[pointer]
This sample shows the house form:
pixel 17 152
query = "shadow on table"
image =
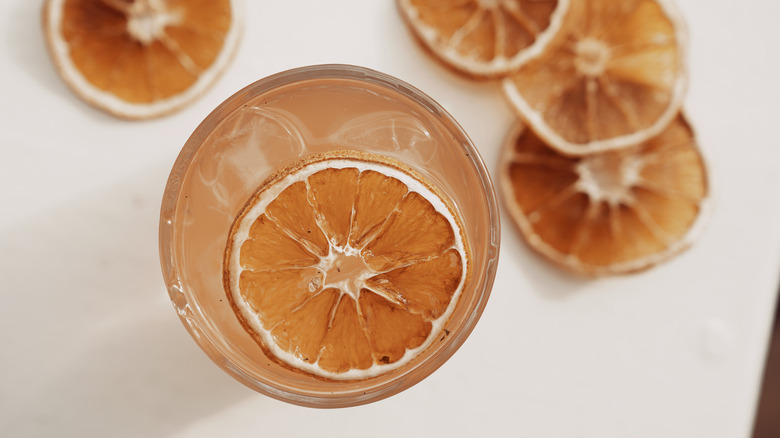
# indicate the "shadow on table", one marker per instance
pixel 93 346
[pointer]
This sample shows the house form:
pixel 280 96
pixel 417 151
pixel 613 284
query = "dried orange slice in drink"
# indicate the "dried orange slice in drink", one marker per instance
pixel 139 59
pixel 610 213
pixel 483 38
pixel 346 265
pixel 613 77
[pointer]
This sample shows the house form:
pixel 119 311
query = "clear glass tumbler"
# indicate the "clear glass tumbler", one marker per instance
pixel 271 124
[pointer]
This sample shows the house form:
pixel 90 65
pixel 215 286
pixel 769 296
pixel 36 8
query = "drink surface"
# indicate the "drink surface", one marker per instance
pixel 242 146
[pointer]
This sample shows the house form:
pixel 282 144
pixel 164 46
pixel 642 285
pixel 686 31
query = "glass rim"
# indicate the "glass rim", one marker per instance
pixel 195 325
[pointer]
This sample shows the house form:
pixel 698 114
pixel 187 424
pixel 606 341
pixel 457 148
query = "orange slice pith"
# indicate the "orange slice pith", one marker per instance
pixel 613 77
pixel 483 38
pixel 617 212
pixel 140 59
pixel 345 266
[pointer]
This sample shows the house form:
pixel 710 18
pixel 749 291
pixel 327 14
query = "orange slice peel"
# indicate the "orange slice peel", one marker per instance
pixel 345 266
pixel 612 213
pixel 483 38
pixel 140 59
pixel 614 76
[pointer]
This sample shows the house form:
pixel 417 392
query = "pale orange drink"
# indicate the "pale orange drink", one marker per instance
pixel 329 236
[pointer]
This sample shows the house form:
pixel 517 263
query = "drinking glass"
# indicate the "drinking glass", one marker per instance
pixel 271 124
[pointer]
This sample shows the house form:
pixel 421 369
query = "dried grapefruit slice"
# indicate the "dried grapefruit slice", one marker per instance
pixel 346 265
pixel 483 38
pixel 613 77
pixel 610 213
pixel 139 59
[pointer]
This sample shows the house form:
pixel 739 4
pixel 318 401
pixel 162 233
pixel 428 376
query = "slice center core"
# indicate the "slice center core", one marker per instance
pixel 345 269
pixel 147 20
pixel 489 4
pixel 609 177
pixel 592 56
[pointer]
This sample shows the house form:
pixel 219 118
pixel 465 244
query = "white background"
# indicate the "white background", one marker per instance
pixel 91 347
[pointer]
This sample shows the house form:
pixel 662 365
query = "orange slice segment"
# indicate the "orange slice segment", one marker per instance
pixel 483 38
pixel 610 213
pixel 345 265
pixel 371 210
pixel 140 59
pixel 411 234
pixel 613 77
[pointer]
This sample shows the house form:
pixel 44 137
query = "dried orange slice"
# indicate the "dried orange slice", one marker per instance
pixel 345 266
pixel 610 213
pixel 483 38
pixel 139 59
pixel 613 77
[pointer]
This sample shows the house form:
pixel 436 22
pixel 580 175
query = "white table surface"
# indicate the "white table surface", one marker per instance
pixel 91 346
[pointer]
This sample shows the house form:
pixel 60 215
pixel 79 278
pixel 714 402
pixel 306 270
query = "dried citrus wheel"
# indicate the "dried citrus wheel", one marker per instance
pixel 483 38
pixel 613 77
pixel 610 213
pixel 345 266
pixel 139 59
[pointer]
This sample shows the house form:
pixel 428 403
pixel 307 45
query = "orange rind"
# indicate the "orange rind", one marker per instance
pixel 483 38
pixel 139 59
pixel 612 213
pixel 346 265
pixel 612 77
